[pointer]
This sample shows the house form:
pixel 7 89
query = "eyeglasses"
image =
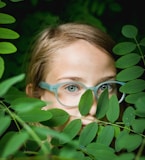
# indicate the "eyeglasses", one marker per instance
pixel 69 93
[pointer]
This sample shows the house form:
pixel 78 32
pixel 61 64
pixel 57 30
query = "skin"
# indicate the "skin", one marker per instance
pixel 83 62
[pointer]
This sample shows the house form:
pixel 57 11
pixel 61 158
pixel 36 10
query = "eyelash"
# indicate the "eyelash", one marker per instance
pixel 110 88
pixel 71 86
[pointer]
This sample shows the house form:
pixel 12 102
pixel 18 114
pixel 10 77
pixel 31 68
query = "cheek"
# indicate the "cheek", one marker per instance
pixel 47 96
pixel 53 103
pixel 74 112
pixel 50 99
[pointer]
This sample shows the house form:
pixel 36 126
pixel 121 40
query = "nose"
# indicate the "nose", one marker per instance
pixel 91 115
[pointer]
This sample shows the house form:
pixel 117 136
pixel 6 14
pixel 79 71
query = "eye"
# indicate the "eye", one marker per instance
pixel 72 88
pixel 109 86
pixel 105 86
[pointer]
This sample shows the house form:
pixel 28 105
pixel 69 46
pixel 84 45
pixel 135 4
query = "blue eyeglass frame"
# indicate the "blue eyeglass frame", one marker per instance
pixel 53 88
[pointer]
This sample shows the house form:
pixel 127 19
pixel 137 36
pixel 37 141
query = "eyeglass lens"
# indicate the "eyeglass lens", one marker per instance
pixel 69 94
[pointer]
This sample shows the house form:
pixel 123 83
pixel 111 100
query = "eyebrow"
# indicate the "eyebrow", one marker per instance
pixel 79 79
pixel 113 77
pixel 71 78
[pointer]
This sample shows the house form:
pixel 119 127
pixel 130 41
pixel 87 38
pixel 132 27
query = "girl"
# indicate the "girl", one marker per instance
pixel 67 60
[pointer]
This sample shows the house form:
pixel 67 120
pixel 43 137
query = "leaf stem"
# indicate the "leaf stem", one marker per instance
pixel 140 51
pixel 29 130
pixel 140 150
pixel 5 108
pixel 115 124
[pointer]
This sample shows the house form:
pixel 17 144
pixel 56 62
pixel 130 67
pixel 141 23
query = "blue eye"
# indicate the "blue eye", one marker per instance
pixel 106 86
pixel 109 86
pixel 72 88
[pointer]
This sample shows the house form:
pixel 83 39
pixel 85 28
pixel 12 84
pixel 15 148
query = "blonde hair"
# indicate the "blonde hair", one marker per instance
pixel 48 41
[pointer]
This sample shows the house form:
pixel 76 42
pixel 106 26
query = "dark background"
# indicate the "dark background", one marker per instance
pixel 130 12
pixel 32 15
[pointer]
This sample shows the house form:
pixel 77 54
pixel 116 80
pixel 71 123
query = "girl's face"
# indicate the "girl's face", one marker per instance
pixel 79 62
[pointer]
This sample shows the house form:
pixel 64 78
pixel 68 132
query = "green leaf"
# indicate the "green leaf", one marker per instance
pixel 41 131
pixel 138 125
pixel 14 93
pixel 72 129
pixel 130 142
pixel 103 105
pixel 129 31
pixel 5 122
pixel 128 116
pixel 123 48
pixel 1 67
pixel 133 86
pixel 100 151
pixel 133 142
pixel 44 132
pixel 142 158
pixel 16 0
pixel 6 84
pixel 125 156
pixel 92 147
pixel 2 4
pixel 113 110
pixel 132 98
pixel 7 48
pixel 131 59
pixel 6 19
pixel 26 104
pixel 106 135
pixel 88 134
pixel 142 42
pixel 70 153
pixel 116 131
pixel 4 140
pixel 116 7
pixel 59 117
pixel 98 10
pixel 140 105
pixel 6 33
pixel 35 115
pixel 14 143
pixel 30 109
pixel 31 145
pixel 34 2
pixel 86 102
pixel 130 73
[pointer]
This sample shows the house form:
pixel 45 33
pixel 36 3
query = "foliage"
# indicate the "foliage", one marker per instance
pixel 5 33
pixel 37 14
pixel 27 132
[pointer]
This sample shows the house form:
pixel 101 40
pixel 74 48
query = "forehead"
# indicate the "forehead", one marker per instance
pixel 82 49
pixel 81 59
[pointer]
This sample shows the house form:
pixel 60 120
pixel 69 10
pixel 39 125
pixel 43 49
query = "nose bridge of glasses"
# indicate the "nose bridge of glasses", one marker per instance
pixel 94 90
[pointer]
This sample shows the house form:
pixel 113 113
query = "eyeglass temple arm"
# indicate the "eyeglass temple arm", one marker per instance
pixel 47 86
